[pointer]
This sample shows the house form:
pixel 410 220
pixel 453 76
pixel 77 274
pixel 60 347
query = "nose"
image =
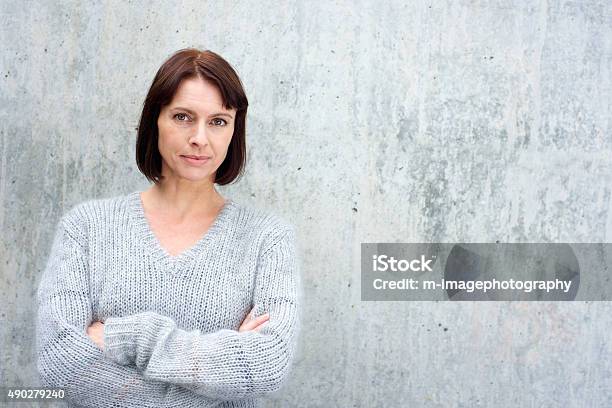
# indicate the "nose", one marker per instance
pixel 199 134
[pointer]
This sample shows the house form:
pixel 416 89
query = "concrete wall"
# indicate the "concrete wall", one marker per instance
pixel 445 121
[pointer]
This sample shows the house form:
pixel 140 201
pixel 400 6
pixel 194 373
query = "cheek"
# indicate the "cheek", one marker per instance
pixel 228 135
pixel 162 142
pixel 169 139
pixel 224 140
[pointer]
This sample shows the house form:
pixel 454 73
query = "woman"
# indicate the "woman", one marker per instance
pixel 175 296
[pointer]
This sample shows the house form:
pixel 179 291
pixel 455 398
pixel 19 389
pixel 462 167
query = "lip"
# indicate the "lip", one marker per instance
pixel 195 160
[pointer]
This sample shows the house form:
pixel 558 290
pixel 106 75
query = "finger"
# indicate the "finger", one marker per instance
pixel 258 328
pixel 261 320
pixel 250 325
pixel 247 318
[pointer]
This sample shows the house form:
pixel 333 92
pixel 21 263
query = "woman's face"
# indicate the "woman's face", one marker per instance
pixel 194 124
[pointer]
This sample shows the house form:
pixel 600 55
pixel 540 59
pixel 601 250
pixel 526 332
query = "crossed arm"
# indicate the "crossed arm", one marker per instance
pixel 147 360
pixel 68 358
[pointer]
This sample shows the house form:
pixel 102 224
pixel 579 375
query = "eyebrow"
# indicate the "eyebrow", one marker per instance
pixel 212 114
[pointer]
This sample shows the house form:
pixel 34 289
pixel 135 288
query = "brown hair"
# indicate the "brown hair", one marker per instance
pixel 183 64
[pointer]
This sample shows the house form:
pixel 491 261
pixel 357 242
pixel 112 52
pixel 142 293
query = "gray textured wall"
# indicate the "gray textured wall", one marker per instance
pixel 369 122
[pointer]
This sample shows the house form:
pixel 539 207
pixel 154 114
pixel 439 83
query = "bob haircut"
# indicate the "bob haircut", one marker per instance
pixel 190 63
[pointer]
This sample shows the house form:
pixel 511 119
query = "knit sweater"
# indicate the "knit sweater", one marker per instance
pixel 170 322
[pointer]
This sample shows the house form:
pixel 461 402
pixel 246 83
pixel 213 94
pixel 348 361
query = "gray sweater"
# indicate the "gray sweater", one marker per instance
pixel 171 322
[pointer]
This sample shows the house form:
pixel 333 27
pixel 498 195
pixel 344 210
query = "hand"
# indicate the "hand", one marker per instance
pixel 96 332
pixel 255 324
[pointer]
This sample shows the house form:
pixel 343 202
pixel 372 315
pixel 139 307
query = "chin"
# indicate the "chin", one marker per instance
pixel 196 175
pixel 192 177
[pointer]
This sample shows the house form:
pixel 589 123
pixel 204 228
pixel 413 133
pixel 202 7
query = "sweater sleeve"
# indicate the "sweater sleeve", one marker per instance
pixel 67 358
pixel 226 364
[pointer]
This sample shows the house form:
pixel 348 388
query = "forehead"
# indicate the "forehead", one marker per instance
pixel 198 95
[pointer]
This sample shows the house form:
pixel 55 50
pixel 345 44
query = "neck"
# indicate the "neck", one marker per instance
pixel 182 201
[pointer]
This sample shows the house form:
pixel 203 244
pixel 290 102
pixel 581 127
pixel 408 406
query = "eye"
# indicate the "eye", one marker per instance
pixel 181 115
pixel 223 122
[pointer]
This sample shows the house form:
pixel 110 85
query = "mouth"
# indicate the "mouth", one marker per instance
pixel 195 160
pixel 196 157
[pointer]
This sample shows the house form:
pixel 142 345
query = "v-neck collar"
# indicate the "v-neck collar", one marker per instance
pixel 159 254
